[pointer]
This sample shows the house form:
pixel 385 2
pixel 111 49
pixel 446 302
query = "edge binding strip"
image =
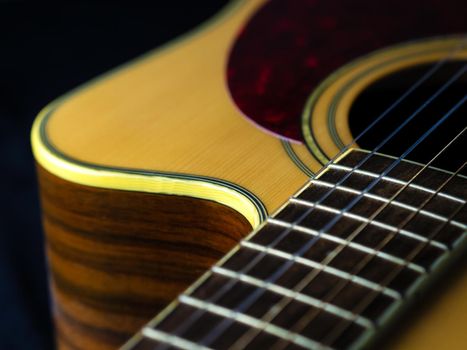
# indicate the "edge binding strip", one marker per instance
pixel 88 174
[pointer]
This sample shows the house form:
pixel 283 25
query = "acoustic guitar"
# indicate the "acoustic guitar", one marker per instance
pixel 291 175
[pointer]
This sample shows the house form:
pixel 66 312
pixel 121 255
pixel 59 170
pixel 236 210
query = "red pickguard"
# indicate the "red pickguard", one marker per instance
pixel 289 46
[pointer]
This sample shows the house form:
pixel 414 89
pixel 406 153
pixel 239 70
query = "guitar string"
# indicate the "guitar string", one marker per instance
pixel 407 220
pixel 224 324
pixel 439 64
pixel 253 297
pixel 307 318
pixel 361 306
pixel 348 146
pixel 196 315
pixel 246 303
pixel 304 282
pixel 423 79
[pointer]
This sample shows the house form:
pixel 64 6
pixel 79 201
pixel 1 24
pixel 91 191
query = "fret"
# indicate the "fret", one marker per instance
pixel 293 212
pixel 323 281
pixel 317 328
pixel 373 234
pixel 399 245
pixel 451 234
pixel 316 265
pixel 430 179
pixel 372 223
pixel 418 227
pixel 351 244
pixel 396 181
pixel 170 339
pixel 298 278
pixel 180 312
pixel 252 322
pixel 282 317
pixel 297 272
pixel 343 300
pixel 333 309
pixel 319 182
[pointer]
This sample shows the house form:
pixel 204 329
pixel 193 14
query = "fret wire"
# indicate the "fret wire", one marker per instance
pixel 318 267
pixel 326 268
pixel 428 132
pixel 285 267
pixel 393 105
pixel 395 272
pixel 365 261
pixel 389 279
pixel 396 181
pixel 331 223
pixel 170 339
pixel 310 316
pixel 418 248
pixel 400 127
pixel 281 254
pixel 387 227
pixel 385 200
pixel 354 245
pixel 306 299
pixel 232 315
pixel 224 289
pixel 359 218
pixel 279 272
pixel 428 74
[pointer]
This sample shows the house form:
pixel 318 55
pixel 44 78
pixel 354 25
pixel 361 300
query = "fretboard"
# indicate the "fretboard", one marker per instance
pixel 330 269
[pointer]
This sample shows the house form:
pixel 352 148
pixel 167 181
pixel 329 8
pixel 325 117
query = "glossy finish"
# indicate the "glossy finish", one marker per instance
pixel 288 47
pixel 150 130
pixel 117 258
pixel 134 118
pixel 321 284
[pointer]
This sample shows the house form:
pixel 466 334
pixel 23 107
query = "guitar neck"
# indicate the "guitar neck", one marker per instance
pixel 331 269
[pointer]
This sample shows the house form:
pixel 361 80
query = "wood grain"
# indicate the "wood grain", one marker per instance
pixel 117 258
pixel 171 112
pixel 346 238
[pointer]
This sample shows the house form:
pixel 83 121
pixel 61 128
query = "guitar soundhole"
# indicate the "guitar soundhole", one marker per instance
pixel 379 96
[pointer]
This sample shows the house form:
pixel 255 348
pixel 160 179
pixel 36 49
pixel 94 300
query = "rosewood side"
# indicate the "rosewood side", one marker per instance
pixel 116 258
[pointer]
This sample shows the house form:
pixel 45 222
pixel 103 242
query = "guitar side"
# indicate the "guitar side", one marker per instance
pixel 99 303
pixel 151 174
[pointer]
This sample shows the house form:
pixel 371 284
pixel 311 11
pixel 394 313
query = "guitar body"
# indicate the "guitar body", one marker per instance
pixel 151 173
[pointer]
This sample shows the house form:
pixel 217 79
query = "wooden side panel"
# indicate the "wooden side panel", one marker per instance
pixel 117 258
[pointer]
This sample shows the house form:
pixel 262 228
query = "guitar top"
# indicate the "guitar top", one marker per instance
pixel 302 163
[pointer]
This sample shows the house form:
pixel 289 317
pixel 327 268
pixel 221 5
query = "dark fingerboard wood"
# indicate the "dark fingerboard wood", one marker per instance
pixel 300 282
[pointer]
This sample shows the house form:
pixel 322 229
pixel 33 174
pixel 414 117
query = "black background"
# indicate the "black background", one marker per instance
pixel 46 49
